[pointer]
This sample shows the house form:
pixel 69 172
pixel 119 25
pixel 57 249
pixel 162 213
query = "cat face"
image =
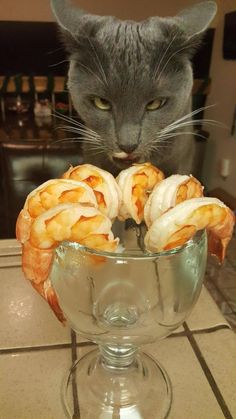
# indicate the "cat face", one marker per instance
pixel 125 90
pixel 130 82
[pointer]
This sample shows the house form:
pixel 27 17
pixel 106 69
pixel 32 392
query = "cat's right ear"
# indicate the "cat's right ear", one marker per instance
pixel 67 16
pixel 77 27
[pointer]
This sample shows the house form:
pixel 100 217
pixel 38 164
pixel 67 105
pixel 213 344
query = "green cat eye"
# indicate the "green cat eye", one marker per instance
pixel 155 104
pixel 101 103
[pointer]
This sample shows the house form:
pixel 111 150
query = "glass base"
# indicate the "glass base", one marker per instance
pixel 94 389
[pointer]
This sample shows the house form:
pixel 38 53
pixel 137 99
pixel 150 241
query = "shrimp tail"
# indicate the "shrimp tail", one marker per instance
pixel 216 246
pixel 219 237
pixel 36 262
pixel 47 292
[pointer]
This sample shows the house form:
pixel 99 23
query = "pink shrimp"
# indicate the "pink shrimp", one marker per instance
pixel 74 222
pixel 176 226
pixel 170 192
pixel 136 183
pixel 104 185
pixel 46 196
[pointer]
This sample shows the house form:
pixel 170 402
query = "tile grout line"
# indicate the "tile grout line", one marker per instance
pixel 215 389
pixel 5 351
pixel 15 265
pixel 200 331
pixel 35 348
pixel 76 413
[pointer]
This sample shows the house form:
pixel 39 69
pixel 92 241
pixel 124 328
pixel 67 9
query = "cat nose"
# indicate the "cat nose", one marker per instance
pixel 128 148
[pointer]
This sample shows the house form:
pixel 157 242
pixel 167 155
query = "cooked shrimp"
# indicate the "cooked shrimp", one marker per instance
pixel 176 226
pixel 103 184
pixel 46 290
pixel 136 183
pixel 170 192
pixel 46 196
pixel 74 222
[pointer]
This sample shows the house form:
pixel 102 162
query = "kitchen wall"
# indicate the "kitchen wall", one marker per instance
pixel 39 10
pixel 223 95
pixel 223 73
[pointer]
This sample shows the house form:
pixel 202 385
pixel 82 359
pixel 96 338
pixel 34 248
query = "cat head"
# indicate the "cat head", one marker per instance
pixel 130 80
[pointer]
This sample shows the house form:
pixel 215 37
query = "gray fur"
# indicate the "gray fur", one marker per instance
pixel 131 63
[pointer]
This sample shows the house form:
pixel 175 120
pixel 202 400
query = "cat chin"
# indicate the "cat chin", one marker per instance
pixel 125 162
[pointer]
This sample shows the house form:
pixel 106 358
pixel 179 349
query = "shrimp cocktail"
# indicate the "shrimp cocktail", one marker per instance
pixel 122 261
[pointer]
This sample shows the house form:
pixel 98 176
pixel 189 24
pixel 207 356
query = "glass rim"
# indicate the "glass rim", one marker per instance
pixel 197 238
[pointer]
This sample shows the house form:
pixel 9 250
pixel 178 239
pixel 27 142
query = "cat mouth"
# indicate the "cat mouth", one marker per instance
pixel 123 158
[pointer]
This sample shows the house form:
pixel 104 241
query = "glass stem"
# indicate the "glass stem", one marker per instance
pixel 117 357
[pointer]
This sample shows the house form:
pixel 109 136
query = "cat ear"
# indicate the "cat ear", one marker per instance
pixel 196 19
pixel 67 16
pixel 76 25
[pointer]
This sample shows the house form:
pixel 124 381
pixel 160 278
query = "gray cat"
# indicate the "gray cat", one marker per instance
pixel 131 84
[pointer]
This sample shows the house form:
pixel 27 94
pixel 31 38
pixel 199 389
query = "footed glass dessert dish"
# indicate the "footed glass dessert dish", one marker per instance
pixel 122 301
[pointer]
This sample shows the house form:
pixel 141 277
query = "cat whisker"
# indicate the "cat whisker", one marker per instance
pixel 76 124
pixel 158 147
pixel 98 152
pixel 209 122
pixel 79 131
pixel 100 67
pixel 70 127
pixel 65 118
pixel 191 114
pixel 82 141
pixel 62 140
pixel 60 62
pixel 176 134
pixel 71 120
pixel 89 70
pixel 167 62
pixel 158 142
pixel 164 54
pixel 77 140
pixel 84 133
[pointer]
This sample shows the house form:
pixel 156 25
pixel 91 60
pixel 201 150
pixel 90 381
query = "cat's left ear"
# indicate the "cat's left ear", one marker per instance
pixel 196 19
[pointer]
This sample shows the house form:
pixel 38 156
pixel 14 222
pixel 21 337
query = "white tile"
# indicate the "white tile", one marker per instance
pixel 26 318
pixel 219 351
pixel 206 313
pixel 30 384
pixel 192 394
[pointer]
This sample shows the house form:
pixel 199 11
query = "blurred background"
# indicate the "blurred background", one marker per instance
pixel 33 86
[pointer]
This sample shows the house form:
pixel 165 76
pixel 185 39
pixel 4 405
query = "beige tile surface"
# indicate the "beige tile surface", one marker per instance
pixel 26 319
pixel 206 313
pixel 10 253
pixel 219 352
pixel 192 395
pixel 30 384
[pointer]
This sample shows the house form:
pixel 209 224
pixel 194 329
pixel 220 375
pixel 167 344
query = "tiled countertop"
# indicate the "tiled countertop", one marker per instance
pixel 36 351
